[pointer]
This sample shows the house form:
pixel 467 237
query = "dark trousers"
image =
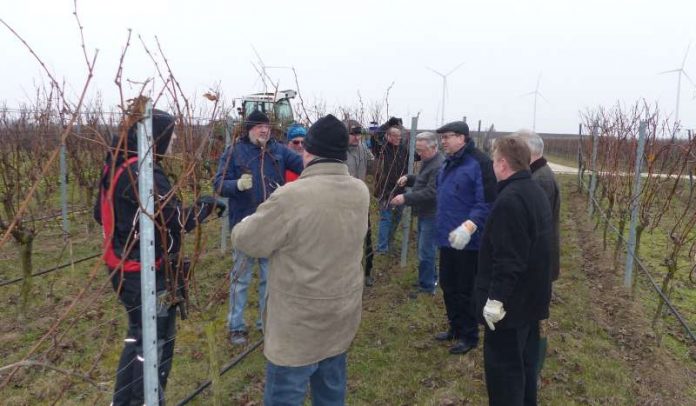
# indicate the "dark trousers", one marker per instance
pixel 129 376
pixel 368 249
pixel 510 357
pixel 457 274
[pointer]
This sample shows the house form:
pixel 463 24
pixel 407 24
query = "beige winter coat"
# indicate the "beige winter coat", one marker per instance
pixel 312 232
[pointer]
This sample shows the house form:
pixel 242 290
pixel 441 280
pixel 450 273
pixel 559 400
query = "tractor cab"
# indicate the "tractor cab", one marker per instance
pixel 276 106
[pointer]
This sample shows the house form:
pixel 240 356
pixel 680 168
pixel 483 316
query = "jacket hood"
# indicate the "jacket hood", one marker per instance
pixel 162 128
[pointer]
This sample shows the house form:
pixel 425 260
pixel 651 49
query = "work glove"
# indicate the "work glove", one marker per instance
pixel 493 312
pixel 244 182
pixel 402 181
pixel 460 236
pixel 206 204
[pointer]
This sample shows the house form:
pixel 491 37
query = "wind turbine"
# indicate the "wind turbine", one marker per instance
pixel 679 71
pixel 444 88
pixel 536 94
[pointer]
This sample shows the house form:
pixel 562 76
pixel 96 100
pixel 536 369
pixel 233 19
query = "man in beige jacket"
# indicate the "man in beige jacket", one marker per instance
pixel 312 231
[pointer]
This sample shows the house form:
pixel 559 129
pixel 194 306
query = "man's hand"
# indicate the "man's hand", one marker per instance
pixel 402 181
pixel 245 182
pixel 206 204
pixel 493 312
pixel 460 236
pixel 398 200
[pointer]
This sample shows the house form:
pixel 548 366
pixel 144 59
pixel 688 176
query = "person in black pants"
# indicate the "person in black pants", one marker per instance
pixel 117 209
pixel 513 283
pixel 465 192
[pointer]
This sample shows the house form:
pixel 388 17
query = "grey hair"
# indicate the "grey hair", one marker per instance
pixel 429 138
pixel 534 141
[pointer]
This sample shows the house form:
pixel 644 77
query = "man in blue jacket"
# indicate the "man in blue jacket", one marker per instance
pixel 248 172
pixel 465 191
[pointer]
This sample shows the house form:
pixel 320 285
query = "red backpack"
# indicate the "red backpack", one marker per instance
pixel 112 260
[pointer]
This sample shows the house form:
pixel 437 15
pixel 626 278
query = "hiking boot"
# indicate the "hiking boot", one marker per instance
pixel 369 281
pixel 238 337
pixel 461 347
pixel 445 336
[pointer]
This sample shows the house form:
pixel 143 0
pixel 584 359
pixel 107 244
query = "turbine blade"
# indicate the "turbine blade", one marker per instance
pixel 433 70
pixel 528 94
pixel 668 71
pixel 685 55
pixel 544 98
pixel 689 78
pixel 453 69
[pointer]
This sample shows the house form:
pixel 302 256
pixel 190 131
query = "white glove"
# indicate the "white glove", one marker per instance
pixel 493 312
pixel 244 183
pixel 402 181
pixel 461 235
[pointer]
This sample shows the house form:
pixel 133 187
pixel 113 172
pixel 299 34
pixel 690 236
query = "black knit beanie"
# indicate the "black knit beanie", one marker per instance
pixel 327 138
pixel 256 117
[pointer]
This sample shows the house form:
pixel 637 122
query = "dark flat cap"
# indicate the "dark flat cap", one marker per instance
pixel 458 127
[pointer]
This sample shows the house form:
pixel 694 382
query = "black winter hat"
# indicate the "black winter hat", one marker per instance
pixel 162 130
pixel 327 138
pixel 459 127
pixel 256 117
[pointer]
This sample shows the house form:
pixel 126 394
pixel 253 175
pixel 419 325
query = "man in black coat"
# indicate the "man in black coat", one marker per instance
pixel 513 284
pixel 544 176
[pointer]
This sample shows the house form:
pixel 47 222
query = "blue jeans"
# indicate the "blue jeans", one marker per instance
pixel 240 277
pixel 287 386
pixel 427 248
pixel 388 222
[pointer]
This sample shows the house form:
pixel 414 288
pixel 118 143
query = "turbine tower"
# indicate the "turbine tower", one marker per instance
pixel 536 94
pixel 444 89
pixel 679 71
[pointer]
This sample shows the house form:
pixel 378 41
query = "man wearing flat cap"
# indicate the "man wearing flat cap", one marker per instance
pixel 466 188
pixel 359 160
pixel 312 232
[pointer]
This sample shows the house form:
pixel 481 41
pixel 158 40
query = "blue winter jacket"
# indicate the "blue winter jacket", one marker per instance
pixel 466 188
pixel 245 157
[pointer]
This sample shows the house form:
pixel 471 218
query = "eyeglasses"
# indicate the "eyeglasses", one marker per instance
pixel 356 131
pixel 297 142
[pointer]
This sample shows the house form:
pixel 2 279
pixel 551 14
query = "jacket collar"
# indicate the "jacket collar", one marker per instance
pixel 458 156
pixel 519 175
pixel 324 168
pixel 538 164
pixel 247 140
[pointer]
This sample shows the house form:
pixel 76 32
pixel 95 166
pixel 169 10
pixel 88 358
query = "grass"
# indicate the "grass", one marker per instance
pixel 393 359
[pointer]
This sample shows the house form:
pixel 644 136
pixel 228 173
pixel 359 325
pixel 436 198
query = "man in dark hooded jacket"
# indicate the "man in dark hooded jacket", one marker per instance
pixel 117 210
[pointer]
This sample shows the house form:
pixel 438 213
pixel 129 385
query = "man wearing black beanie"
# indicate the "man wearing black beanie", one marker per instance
pixel 248 173
pixel 312 231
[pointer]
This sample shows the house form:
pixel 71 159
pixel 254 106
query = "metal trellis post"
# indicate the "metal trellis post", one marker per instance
pixel 64 188
pixel 580 180
pixel 635 206
pixel 407 211
pixel 148 289
pixel 593 179
pixel 225 223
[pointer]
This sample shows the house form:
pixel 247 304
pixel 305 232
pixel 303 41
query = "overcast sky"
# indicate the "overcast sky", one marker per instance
pixel 589 53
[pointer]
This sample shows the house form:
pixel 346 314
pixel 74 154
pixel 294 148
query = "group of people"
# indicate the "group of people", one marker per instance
pixel 300 213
